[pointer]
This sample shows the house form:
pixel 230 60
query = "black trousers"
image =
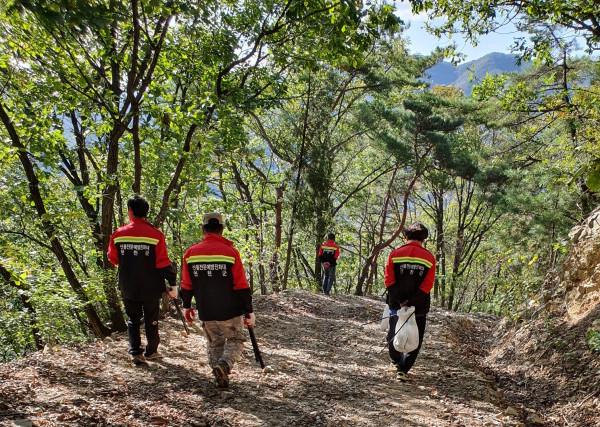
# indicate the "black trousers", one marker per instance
pixel 149 311
pixel 328 278
pixel 405 361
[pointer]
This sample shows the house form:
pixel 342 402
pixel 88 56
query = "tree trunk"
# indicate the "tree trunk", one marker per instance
pixel 440 247
pixel 117 318
pixel 253 221
pixel 451 293
pixel 108 199
pixel 96 326
pixel 297 270
pixel 25 299
pixel 80 184
pixel 318 276
pixel 250 271
pixel 458 253
pixel 137 155
pixel 383 244
pixel 372 275
pixel 288 254
pixel 173 184
pixel 442 263
pixel 297 187
pixel 111 181
pixel 274 268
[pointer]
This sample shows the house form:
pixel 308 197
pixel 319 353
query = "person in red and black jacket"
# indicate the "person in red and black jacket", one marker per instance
pixel 140 251
pixel 409 276
pixel 329 252
pixel 214 276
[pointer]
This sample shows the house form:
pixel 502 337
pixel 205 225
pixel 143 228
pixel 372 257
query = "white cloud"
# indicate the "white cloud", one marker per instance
pixel 404 12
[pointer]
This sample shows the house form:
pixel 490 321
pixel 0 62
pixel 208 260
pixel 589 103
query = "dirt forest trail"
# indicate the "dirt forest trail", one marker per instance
pixel 325 367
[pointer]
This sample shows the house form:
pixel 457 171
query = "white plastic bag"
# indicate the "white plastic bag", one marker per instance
pixel 385 319
pixel 407 332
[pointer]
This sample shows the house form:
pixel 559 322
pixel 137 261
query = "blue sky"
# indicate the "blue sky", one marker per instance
pixel 423 42
pixel 500 41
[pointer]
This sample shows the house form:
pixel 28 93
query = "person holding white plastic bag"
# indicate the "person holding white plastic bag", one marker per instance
pixel 409 276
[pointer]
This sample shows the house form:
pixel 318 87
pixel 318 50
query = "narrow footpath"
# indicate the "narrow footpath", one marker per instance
pixel 326 366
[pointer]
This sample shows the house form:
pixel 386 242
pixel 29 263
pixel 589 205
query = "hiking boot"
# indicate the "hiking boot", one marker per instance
pixel 221 372
pixel 154 356
pixel 402 376
pixel 138 359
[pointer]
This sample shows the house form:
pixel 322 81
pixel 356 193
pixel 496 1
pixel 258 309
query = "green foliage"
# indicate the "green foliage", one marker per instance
pixel 250 108
pixel 15 338
pixel 593 176
pixel 593 341
pixel 102 97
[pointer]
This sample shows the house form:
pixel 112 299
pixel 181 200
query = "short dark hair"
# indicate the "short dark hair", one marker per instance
pixel 416 231
pixel 213 226
pixel 331 236
pixel 139 206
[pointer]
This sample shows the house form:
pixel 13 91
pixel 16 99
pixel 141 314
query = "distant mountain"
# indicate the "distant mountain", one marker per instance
pixel 445 73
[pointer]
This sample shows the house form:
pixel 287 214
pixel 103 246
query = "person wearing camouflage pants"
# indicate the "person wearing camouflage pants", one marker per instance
pixel 213 275
pixel 225 340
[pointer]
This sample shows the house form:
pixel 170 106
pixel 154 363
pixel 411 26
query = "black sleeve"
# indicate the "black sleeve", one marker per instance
pixel 186 297
pixel 245 296
pixel 419 299
pixel 393 297
pixel 169 274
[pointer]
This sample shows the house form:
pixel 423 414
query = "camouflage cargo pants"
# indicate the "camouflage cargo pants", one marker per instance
pixel 225 340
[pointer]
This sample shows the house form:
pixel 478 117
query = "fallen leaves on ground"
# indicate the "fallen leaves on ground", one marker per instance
pixel 327 366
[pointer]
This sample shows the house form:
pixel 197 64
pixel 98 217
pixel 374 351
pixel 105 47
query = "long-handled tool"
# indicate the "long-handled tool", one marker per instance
pixel 177 302
pixel 180 313
pixel 257 354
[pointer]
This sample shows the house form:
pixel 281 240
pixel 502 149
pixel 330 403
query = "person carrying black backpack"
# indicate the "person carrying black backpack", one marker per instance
pixel 328 255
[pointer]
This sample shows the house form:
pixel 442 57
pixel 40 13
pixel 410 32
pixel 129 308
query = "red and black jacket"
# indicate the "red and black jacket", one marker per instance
pixel 214 275
pixel 140 251
pixel 329 252
pixel 409 276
